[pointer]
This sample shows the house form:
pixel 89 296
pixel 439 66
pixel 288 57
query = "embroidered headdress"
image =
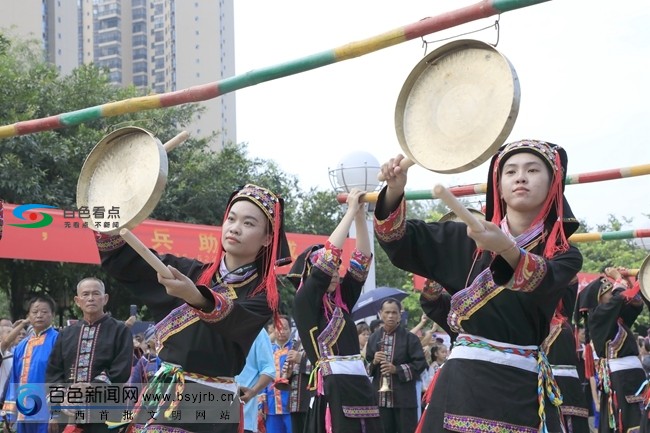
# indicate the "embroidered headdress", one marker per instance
pixel 556 214
pixel 276 254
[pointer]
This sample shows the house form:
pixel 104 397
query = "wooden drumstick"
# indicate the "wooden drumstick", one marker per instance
pixel 457 207
pixel 145 253
pixel 404 165
pixel 171 144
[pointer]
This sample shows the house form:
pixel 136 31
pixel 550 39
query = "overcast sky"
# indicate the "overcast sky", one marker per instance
pixel 583 74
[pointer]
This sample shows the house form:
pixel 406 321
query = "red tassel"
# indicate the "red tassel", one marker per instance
pixel 425 400
pixel 589 361
pixel 240 428
pixel 421 422
pixel 496 197
pixel 556 241
pixel 268 283
pixel 631 293
pixel 272 296
pixel 620 420
pixel 619 412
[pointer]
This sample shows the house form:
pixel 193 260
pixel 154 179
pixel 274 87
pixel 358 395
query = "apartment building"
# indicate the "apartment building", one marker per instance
pixel 158 45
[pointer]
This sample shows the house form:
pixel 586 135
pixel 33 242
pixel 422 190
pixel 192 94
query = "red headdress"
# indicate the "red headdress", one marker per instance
pixel 556 214
pixel 276 254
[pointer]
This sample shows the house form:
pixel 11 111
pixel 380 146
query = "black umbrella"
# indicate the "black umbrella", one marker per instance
pixel 369 302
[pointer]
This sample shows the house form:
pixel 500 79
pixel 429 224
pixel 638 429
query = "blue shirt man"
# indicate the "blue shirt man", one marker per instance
pixel 30 363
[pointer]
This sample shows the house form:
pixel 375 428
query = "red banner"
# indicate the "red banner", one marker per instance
pixel 65 239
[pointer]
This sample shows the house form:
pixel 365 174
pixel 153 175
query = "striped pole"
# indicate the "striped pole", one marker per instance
pixel 481 188
pixel 610 236
pixel 482 9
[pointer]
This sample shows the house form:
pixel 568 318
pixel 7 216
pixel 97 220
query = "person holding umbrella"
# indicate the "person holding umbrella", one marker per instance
pixel 345 401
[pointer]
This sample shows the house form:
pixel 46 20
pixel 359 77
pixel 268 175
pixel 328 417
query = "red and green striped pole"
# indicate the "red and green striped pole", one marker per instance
pixel 610 236
pixel 483 9
pixel 481 188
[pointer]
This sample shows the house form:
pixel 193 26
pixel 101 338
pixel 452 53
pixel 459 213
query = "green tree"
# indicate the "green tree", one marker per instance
pixel 599 255
pixel 318 213
pixel 43 168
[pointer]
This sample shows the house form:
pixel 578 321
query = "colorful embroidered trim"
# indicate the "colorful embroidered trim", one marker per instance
pixel 582 412
pixel 32 342
pixel 185 315
pixel 556 329
pixel 107 243
pixel 546 384
pixel 177 320
pixel 467 301
pixel 524 240
pixel 279 359
pixel 393 227
pixel 262 197
pixel 616 344
pixel 432 290
pixel 529 273
pixel 85 351
pixel 407 372
pixel 360 411
pixel 329 258
pixel 330 335
pixel 359 265
pixel 223 305
pixel 155 428
pixel 209 379
pixel 470 424
pixel 467 341
pixel 324 344
pixel 542 148
pixel 634 398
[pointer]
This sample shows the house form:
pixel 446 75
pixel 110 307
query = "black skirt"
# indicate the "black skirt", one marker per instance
pixel 475 396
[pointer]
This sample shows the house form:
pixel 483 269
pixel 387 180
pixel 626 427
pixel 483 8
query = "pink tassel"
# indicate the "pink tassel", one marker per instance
pixel 319 384
pixel 328 419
